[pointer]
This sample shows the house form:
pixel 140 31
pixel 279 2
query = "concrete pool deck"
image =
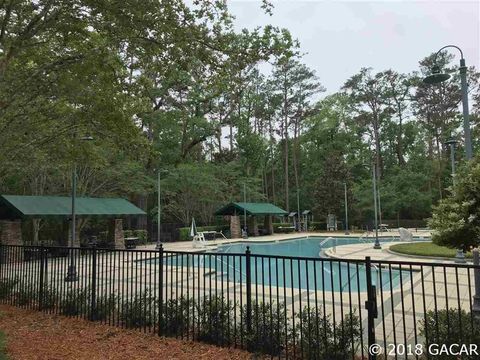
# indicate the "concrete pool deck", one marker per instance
pixel 187 246
pixel 360 251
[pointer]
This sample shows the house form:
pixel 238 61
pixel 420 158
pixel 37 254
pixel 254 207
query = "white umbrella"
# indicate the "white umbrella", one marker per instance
pixel 193 228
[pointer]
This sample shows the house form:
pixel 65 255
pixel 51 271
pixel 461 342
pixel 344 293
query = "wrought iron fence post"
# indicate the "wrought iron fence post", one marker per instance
pixel 160 290
pixel 248 283
pixel 371 306
pixel 476 272
pixel 93 305
pixel 42 276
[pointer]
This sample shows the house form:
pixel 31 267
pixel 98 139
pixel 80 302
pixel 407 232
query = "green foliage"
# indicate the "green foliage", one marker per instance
pixel 49 297
pixel 215 316
pixel 7 286
pixel 447 327
pixel 140 310
pixel 320 338
pixel 456 219
pixel 104 307
pixel 269 332
pixel 25 294
pixel 75 301
pixel 426 249
pixel 178 316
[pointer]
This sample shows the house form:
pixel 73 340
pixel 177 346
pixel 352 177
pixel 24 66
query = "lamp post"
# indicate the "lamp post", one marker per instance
pixel 299 226
pixel 452 143
pixel 159 208
pixel 72 270
pixel 346 209
pixel 437 77
pixel 374 171
pixel 245 232
pixel 159 243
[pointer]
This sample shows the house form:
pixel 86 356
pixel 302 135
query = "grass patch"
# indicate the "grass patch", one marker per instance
pixel 3 354
pixel 426 249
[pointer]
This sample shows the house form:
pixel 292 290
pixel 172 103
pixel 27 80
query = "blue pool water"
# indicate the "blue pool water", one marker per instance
pixel 313 272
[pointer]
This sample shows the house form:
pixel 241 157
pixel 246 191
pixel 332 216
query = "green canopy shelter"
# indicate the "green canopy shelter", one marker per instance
pixel 15 208
pixel 252 211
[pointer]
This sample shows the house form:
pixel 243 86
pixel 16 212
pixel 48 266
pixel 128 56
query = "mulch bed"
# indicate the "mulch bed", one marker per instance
pixel 34 335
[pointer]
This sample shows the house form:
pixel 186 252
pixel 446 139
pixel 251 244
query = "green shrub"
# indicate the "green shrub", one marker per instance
pixel 269 331
pixel 450 327
pixel 7 286
pixel 142 236
pixel 75 302
pixel 215 320
pixel 128 233
pixel 49 297
pixel 317 225
pixel 105 305
pixel 139 311
pixel 177 316
pixel 314 335
pixel 25 295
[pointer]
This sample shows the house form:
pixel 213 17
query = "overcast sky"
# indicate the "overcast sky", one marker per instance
pixel 340 37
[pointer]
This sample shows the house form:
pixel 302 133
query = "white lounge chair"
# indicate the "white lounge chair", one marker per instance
pixel 199 240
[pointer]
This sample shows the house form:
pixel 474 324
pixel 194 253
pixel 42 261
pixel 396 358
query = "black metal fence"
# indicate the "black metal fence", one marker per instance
pixel 289 307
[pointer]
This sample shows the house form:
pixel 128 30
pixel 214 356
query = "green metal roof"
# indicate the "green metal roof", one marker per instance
pixel 40 206
pixel 250 209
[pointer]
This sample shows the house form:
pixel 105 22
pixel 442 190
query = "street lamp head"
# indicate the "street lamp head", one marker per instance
pixel 87 138
pixel 436 77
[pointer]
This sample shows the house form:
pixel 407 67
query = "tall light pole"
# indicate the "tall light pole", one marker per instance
pixel 436 77
pixel 72 270
pixel 298 209
pixel 159 209
pixel 346 209
pixel 452 143
pixel 245 211
pixel 159 243
pixel 374 172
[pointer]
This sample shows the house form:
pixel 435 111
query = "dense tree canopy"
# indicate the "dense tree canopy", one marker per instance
pixel 456 220
pixel 165 86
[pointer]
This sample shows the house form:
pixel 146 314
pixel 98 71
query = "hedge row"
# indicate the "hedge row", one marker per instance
pixel 211 319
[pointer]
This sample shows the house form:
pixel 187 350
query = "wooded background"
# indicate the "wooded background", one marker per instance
pixel 160 85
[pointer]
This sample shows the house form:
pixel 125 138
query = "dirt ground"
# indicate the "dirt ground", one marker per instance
pixel 34 335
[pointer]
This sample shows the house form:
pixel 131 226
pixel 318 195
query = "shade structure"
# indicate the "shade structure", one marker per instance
pixel 24 206
pixel 193 228
pixel 259 209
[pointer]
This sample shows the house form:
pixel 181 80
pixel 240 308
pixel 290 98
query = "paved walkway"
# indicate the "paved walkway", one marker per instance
pixel 360 251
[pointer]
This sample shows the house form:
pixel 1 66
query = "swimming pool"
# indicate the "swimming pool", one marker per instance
pixel 274 264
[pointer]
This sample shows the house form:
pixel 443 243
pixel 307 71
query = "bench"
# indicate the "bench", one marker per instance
pixel 131 242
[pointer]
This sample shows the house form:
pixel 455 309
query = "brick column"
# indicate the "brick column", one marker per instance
pixel 11 234
pixel 115 234
pixel 268 224
pixel 252 226
pixel 235 231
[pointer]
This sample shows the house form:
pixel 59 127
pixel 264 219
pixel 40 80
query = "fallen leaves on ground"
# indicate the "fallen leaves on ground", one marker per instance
pixel 35 335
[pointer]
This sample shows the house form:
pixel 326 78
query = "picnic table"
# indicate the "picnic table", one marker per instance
pixel 131 242
pixel 383 227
